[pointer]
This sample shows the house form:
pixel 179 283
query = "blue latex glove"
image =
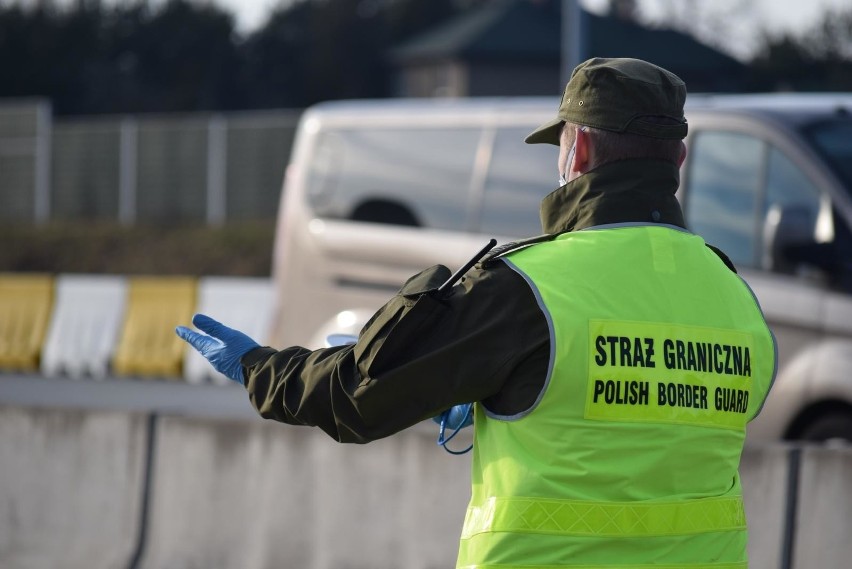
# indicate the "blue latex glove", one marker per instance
pixel 456 417
pixel 222 346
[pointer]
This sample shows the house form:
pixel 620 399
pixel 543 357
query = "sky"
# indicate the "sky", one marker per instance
pixel 741 37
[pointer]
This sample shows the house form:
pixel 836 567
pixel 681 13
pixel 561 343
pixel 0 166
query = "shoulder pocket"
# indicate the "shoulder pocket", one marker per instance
pixel 391 335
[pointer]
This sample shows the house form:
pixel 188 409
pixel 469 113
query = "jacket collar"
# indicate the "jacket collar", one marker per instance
pixel 619 192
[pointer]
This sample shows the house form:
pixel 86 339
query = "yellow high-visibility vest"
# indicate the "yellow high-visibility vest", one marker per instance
pixel 660 355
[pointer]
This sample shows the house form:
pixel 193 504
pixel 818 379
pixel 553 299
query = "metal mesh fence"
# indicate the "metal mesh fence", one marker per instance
pixel 17 173
pixel 18 119
pixel 258 150
pixel 151 169
pixel 19 129
pixel 172 170
pixel 85 169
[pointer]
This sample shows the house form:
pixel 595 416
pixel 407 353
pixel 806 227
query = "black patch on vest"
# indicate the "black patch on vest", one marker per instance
pixel 721 255
pixel 506 248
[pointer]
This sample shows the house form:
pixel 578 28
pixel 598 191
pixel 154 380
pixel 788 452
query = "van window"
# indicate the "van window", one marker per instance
pixel 787 185
pixel 415 177
pixel 734 181
pixel 519 176
pixel 725 177
pixel 833 139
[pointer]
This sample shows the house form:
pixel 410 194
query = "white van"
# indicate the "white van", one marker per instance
pixel 378 190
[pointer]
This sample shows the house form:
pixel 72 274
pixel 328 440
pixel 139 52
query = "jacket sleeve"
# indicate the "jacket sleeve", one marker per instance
pixel 417 356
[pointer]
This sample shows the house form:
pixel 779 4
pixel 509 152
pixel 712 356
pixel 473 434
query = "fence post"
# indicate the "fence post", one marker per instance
pixel 217 155
pixel 43 141
pixel 128 159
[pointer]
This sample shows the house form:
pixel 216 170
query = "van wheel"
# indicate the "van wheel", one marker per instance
pixel 834 426
pixel 386 211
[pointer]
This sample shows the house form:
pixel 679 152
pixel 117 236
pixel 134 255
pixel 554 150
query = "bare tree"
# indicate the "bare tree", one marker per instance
pixel 723 24
pixel 816 59
pixel 623 9
pixel 831 39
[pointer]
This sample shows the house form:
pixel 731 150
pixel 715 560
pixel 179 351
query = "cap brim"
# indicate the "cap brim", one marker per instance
pixel 548 133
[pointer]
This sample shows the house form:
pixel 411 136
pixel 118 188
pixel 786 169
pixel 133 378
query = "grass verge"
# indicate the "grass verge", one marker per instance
pixel 237 249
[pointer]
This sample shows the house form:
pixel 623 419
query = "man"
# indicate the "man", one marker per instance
pixel 615 360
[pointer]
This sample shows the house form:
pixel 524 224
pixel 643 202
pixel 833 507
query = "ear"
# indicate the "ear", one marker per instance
pixel 582 152
pixel 682 155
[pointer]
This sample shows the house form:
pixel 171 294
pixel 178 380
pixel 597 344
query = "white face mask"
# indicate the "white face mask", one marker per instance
pixel 563 177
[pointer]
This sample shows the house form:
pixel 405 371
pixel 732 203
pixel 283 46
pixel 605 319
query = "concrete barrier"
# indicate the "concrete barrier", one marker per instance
pixel 70 487
pixel 80 326
pixel 823 524
pixel 260 495
pixel 147 344
pixel 764 471
pixel 85 322
pixel 249 494
pixel 25 304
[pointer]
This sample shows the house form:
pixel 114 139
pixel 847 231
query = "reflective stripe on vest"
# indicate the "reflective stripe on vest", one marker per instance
pixel 631 566
pixel 575 517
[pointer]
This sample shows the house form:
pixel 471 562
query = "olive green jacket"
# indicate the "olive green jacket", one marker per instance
pixel 486 340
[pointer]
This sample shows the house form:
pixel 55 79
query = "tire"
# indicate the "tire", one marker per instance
pixel 836 425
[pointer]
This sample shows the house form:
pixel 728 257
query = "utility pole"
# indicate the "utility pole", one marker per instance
pixel 573 40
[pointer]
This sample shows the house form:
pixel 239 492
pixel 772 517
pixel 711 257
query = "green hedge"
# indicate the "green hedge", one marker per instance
pixel 243 249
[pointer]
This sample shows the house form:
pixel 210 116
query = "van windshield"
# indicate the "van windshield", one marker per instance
pixel 833 139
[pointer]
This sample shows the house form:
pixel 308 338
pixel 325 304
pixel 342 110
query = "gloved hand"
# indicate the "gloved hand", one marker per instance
pixel 222 346
pixel 456 417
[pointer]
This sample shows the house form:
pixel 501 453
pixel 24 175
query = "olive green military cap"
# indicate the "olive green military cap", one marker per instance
pixel 618 95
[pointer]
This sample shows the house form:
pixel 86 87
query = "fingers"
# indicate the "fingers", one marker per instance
pixel 183 332
pixel 209 326
pixel 198 341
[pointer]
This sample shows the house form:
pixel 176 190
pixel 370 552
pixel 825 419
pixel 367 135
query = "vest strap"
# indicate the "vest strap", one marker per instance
pixel 609 519
pixel 738 565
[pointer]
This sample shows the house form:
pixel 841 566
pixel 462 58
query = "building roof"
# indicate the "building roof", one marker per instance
pixel 531 29
pixel 676 51
pixel 501 29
